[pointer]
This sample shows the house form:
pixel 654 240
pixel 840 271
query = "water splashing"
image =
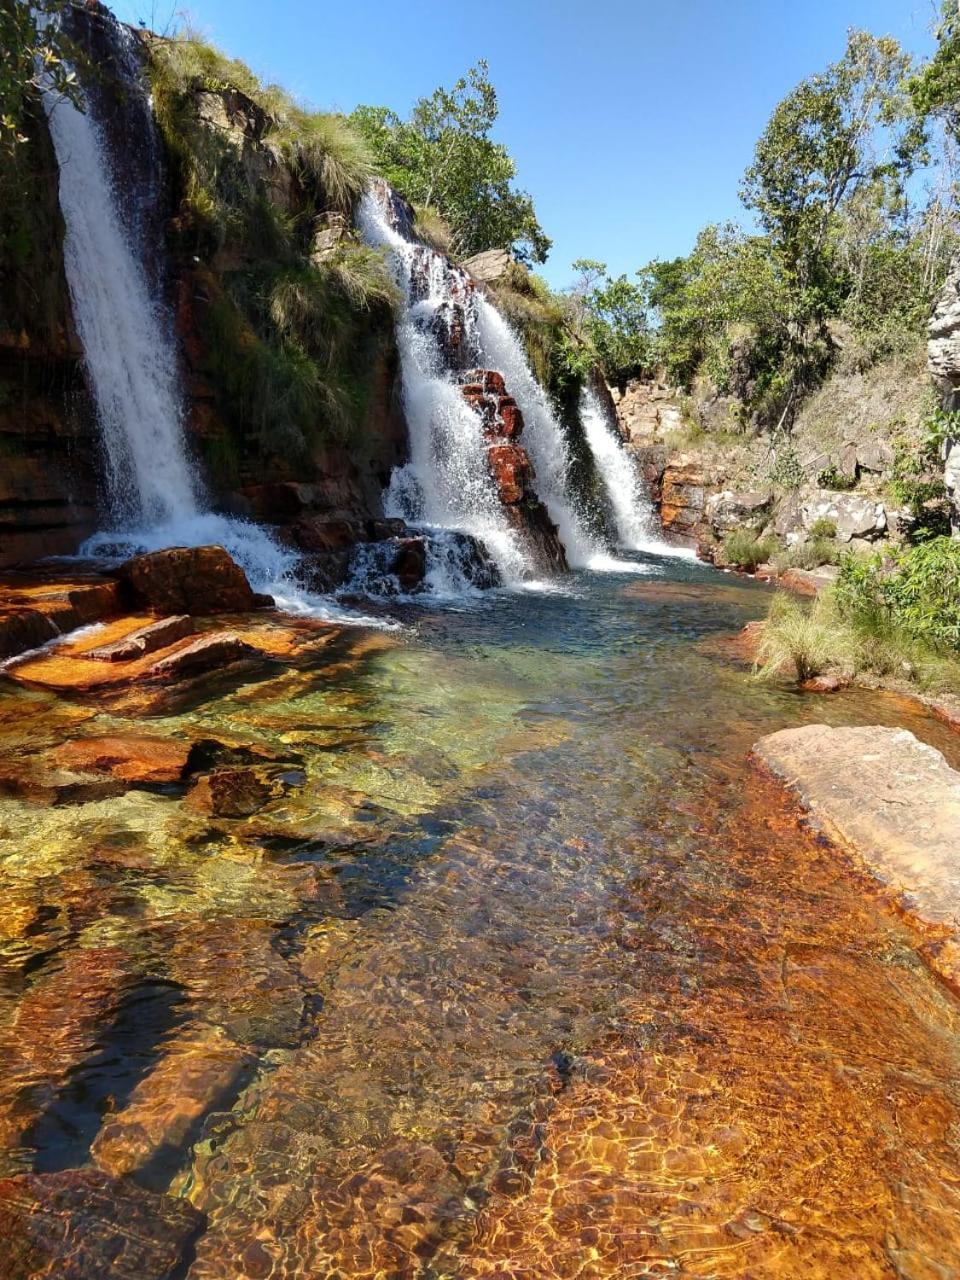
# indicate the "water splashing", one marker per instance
pixel 447 481
pixel 156 498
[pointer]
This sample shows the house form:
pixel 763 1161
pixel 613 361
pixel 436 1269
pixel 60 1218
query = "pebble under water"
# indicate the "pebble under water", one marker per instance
pixel 522 972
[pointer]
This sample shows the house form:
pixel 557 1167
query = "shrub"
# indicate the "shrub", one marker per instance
pixel 808 555
pixel 831 478
pixel 807 637
pixel 915 592
pixel 823 527
pixel 746 550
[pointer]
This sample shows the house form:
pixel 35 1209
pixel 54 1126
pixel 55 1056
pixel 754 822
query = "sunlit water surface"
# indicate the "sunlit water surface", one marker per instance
pixel 522 972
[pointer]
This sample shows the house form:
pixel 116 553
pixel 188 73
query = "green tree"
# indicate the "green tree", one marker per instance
pixel 935 88
pixel 32 45
pixel 444 157
pixel 610 313
pixel 847 129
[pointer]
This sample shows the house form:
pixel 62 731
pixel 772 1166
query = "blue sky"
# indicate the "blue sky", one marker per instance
pixel 631 123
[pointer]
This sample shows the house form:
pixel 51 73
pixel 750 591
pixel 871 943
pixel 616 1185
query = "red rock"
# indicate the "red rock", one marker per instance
pixel 511 419
pixel 511 471
pixel 81 1224
pixel 145 640
pixel 198 580
pixel 808 582
pixel 209 653
pixel 487 379
pixel 127 757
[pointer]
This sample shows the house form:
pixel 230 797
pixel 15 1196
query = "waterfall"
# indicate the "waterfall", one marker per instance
pixel 446 483
pixel 543 436
pixel 156 498
pixel 633 514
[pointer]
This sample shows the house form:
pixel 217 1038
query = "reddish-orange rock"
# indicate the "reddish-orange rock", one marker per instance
pixel 315 533
pixel 511 419
pixel 484 380
pixel 511 471
pixel 127 757
pixel 157 635
pixel 229 793
pixel 198 580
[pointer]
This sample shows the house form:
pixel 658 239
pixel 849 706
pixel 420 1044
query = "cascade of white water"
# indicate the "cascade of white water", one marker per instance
pixel 543 436
pixel 633 513
pixel 447 481
pixel 156 498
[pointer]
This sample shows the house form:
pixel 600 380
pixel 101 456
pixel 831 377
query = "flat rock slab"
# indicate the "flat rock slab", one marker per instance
pixel 129 757
pixel 84 1225
pixel 148 639
pixel 887 796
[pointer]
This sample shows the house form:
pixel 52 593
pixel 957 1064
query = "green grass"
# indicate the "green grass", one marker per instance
pixel 746 550
pixel 807 638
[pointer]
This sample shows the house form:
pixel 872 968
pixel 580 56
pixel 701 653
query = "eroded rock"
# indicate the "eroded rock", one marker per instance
pixel 148 639
pixel 192 580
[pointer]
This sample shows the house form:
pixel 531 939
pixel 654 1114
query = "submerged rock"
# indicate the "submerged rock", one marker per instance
pixel 197 580
pixel 82 1224
pixel 131 757
pixel 230 793
pixel 209 653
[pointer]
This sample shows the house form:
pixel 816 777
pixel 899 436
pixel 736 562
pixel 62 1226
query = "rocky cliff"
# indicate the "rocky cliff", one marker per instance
pixel 334 472
pixel 841 466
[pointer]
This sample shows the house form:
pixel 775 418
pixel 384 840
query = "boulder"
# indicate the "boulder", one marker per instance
pixel 316 533
pixel 854 516
pixel 489 266
pixel 875 456
pixel 136 758
pixel 410 563
pixel 158 635
pixel 197 580
pixel 731 509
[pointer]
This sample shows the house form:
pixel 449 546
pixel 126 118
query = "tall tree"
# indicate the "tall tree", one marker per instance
pixel 850 128
pixel 443 156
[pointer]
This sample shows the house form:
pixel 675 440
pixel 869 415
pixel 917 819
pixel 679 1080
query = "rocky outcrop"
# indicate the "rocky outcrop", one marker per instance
pixel 510 465
pixel 943 361
pixel 892 800
pixel 198 580
pixel 490 266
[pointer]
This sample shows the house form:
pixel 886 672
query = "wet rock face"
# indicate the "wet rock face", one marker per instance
pixel 510 466
pixel 185 580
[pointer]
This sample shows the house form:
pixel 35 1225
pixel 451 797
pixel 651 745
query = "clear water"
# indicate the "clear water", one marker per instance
pixel 520 971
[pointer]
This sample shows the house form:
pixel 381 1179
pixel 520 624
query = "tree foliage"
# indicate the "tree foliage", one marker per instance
pixel 32 46
pixel 443 156
pixel 609 315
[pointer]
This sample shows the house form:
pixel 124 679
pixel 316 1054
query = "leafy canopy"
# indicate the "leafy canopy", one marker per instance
pixel 443 156
pixel 31 45
pixel 610 314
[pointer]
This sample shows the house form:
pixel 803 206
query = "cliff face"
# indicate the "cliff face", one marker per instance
pixel 943 361
pixel 49 447
pixel 839 464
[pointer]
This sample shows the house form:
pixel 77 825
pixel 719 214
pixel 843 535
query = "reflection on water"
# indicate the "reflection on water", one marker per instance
pixel 514 970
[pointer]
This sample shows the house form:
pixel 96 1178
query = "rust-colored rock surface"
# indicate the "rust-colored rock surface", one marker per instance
pixel 144 640
pixel 890 798
pixel 127 757
pixel 84 1225
pixel 197 580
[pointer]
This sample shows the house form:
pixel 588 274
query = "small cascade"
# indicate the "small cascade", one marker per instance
pixel 544 438
pixel 633 514
pixel 155 496
pixel 445 564
pixel 447 482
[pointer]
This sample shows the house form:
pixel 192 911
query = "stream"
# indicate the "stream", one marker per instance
pixel 523 970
